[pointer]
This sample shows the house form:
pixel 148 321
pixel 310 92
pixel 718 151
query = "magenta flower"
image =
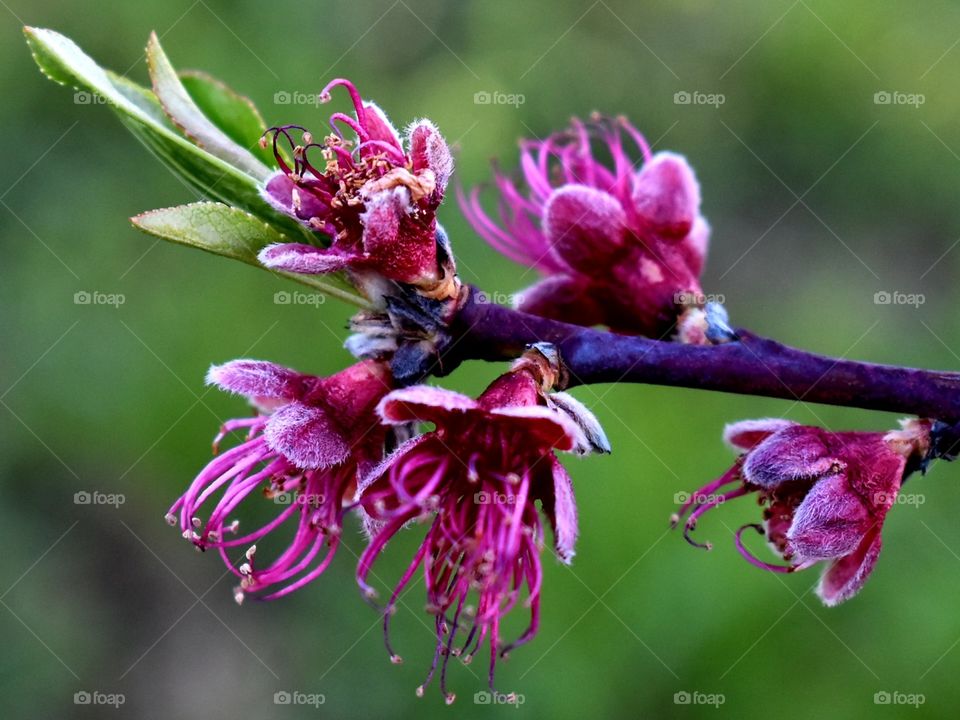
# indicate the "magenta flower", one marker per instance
pixel 477 478
pixel 304 451
pixel 825 495
pixel 377 199
pixel 618 247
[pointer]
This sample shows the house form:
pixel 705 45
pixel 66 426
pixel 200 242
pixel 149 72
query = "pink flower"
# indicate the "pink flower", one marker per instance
pixel 825 494
pixel 476 479
pixel 303 451
pixel 377 200
pixel 618 247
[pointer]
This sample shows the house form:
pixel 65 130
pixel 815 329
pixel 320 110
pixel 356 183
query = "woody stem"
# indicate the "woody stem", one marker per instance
pixel 751 365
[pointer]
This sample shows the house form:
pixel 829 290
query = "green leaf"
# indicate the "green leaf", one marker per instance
pixel 230 111
pixel 233 233
pixel 185 114
pixel 63 62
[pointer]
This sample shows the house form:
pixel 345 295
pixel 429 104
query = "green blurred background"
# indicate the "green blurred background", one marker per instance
pixel 819 197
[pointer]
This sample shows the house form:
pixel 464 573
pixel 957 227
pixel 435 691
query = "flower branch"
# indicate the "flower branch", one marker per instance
pixel 747 365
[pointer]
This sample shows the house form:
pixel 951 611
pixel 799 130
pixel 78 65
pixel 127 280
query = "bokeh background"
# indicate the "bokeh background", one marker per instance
pixel 820 194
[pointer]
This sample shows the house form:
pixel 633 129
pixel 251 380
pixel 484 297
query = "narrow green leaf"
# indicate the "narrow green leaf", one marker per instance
pixel 230 111
pixel 62 61
pixel 233 233
pixel 185 114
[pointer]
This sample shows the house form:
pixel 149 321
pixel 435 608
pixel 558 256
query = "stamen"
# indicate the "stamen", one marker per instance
pixel 753 560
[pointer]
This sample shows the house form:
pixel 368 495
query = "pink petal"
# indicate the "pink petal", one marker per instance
pixel 793 453
pixel 584 225
pixel 257 379
pixel 396 244
pixel 666 195
pixel 747 434
pixel 424 403
pixel 280 192
pixel 428 149
pixel 830 522
pixel 694 245
pixel 306 436
pixel 563 511
pixel 378 125
pixel 300 258
pixel 542 426
pixel 846 575
pixel 561 297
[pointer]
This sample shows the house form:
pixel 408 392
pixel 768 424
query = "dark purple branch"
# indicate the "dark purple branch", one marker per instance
pixel 750 366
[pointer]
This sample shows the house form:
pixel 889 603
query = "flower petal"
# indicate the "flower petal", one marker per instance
pixel 747 434
pixel 561 297
pixel 307 436
pixel 423 403
pixel 585 226
pixel 546 427
pixel 284 196
pixel 845 576
pixel 395 243
pixel 257 379
pixel 561 510
pixel 428 150
pixel 300 258
pixel 379 127
pixel 793 453
pixel 830 522
pixel 666 195
pixel 593 432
